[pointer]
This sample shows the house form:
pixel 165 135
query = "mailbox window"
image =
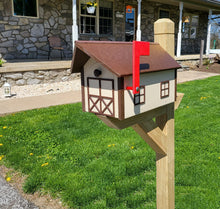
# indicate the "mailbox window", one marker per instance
pixel 140 98
pixel 164 89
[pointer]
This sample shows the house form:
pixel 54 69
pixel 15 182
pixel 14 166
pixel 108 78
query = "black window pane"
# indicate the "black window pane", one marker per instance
pixel 101 12
pixel 83 9
pixel 92 21
pixel 110 13
pixel 31 8
pixel 18 7
pixel 105 12
pixel 25 8
pixel 164 14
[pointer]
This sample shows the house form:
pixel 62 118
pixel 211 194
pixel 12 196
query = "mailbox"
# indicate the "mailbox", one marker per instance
pixel 107 75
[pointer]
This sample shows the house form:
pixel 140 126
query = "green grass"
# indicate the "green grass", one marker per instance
pixel 88 165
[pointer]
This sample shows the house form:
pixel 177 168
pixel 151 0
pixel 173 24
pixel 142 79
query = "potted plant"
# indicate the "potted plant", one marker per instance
pixel 91 5
pixel 2 61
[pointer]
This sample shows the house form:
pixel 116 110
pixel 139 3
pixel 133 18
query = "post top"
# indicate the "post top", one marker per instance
pixel 164 26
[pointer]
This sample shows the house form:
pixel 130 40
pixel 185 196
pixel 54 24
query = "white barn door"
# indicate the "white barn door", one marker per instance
pixel 101 96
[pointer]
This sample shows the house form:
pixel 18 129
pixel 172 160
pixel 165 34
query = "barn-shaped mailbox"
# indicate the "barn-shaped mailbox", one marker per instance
pixel 107 73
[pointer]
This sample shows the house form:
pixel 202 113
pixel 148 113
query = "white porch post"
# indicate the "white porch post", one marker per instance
pixel 208 33
pixel 179 39
pixel 138 34
pixel 74 26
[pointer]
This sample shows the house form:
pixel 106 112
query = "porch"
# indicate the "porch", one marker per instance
pixel 29 72
pixel 27 37
pixel 12 66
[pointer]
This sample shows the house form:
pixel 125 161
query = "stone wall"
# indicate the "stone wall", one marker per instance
pixel 26 38
pixel 37 77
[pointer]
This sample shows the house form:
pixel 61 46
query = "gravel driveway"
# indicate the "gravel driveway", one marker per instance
pixel 11 199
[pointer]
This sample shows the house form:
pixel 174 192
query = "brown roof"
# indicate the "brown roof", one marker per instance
pixel 117 57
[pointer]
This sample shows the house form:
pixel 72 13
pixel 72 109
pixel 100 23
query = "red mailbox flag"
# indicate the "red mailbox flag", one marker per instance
pixel 140 48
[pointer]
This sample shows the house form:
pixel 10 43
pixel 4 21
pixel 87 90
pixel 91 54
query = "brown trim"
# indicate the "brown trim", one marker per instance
pixel 163 89
pixel 83 89
pixel 99 98
pixel 121 99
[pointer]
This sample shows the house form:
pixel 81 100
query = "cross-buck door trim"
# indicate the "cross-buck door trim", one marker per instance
pixel 99 103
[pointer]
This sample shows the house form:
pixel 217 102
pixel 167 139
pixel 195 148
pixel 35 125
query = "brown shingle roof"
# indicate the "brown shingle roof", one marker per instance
pixel 117 57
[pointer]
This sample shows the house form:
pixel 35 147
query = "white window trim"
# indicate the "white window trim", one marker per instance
pixel 37 5
pixel 97 17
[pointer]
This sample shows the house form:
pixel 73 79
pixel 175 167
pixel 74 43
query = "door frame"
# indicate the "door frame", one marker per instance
pixel 99 98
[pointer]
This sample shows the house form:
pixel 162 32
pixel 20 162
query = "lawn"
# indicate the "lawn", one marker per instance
pixel 73 155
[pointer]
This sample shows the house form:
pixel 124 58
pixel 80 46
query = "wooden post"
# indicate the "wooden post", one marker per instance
pixel 201 53
pixel 165 163
pixel 160 137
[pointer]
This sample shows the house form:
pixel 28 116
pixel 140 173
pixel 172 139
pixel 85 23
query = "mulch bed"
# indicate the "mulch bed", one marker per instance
pixel 212 68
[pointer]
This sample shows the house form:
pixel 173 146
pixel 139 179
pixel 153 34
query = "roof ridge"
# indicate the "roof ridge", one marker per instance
pixel 111 42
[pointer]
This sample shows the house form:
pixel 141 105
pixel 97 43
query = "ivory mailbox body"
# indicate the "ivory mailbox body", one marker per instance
pixel 106 72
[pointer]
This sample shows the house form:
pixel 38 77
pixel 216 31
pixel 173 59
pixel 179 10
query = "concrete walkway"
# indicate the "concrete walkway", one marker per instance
pixel 27 103
pixel 184 76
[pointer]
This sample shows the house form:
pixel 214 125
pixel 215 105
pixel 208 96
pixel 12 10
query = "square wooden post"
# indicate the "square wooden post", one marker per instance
pixel 165 163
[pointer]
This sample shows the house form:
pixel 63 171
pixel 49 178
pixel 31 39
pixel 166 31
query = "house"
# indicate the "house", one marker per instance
pixel 105 82
pixel 26 25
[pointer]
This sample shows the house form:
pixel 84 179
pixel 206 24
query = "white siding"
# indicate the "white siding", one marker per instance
pixel 89 68
pixel 151 81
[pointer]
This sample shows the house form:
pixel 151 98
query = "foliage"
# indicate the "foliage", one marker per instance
pixel 91 4
pixel 74 156
pixel 2 61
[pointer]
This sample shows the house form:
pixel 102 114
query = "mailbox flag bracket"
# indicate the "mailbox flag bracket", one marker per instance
pixel 140 48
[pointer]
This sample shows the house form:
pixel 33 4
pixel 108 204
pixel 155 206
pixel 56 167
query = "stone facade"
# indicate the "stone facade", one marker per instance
pixel 26 38
pixel 37 77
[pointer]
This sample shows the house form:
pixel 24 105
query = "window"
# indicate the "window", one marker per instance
pixel 25 8
pixel 100 22
pixel 105 17
pixel 140 98
pixel 164 13
pixel 190 25
pixel 164 89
